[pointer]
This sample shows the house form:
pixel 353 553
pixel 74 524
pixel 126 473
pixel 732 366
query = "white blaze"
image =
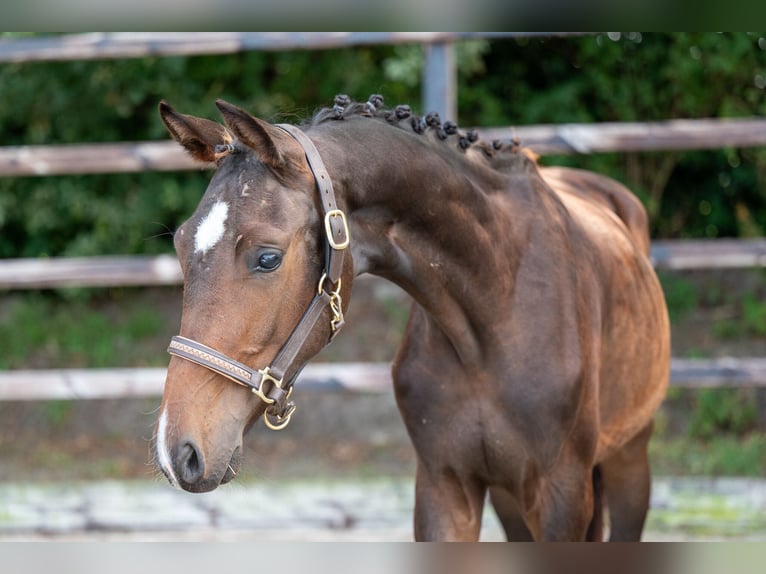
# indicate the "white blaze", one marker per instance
pixel 211 227
pixel 163 456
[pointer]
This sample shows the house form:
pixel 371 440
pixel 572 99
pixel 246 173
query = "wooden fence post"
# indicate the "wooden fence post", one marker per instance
pixel 440 80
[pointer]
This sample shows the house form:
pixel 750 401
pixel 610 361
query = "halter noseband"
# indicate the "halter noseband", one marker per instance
pixel 268 383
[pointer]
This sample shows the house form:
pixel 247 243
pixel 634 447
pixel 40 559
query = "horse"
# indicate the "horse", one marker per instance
pixel 537 348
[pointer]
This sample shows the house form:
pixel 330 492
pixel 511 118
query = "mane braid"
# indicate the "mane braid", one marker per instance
pixel 402 117
pixel 222 150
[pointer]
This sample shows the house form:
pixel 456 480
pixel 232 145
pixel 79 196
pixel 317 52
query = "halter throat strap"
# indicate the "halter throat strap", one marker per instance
pixel 269 383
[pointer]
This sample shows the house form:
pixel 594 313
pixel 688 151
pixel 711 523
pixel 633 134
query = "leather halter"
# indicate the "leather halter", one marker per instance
pixel 268 384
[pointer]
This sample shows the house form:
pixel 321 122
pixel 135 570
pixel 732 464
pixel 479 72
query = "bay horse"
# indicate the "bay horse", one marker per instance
pixel 537 349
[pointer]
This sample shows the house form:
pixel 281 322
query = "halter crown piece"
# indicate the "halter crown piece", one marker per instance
pixel 268 384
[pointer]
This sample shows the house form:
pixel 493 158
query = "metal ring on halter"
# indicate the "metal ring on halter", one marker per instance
pixel 320 287
pixel 282 420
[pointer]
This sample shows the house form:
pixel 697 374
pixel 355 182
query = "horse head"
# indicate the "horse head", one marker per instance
pixel 254 269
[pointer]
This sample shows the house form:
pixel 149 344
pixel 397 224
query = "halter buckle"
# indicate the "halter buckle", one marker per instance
pixel 266 376
pixel 328 229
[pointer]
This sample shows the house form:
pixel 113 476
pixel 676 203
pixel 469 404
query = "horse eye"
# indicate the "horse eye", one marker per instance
pixel 268 261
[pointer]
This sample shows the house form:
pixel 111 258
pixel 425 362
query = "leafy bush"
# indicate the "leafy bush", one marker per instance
pixel 721 411
pixel 754 314
pixel 681 295
pixel 615 77
pixel 45 331
pixel 722 455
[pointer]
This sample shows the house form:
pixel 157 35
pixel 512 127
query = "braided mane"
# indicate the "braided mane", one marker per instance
pixel 402 117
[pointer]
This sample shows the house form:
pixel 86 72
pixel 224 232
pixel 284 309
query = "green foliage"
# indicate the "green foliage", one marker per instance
pixel 746 318
pixel 615 77
pixel 723 455
pixel 58 411
pixel 719 411
pixel 754 314
pixel 44 331
pixel 94 215
pixel 681 295
pixel 642 77
pixel 116 100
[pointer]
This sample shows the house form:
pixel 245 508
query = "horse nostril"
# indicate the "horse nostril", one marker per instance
pixel 191 465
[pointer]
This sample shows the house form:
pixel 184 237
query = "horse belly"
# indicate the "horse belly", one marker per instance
pixel 631 327
pixel 635 356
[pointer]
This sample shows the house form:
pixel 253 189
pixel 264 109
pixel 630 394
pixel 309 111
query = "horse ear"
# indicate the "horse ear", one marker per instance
pixel 198 135
pixel 267 141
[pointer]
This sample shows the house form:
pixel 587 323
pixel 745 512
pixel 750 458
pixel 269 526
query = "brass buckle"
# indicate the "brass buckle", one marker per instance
pixel 328 229
pixel 266 376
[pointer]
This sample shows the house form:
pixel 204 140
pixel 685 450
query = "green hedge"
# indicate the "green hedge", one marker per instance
pixel 628 77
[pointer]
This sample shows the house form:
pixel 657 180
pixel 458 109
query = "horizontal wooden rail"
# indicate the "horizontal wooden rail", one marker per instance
pixel 138 270
pixel 55 384
pixel 71 384
pixel 141 44
pixel 116 271
pixel 708 253
pixel 721 372
pixel 71 159
pixel 75 159
pixel 710 133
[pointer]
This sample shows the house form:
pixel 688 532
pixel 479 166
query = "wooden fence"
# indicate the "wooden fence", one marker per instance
pixel 16 161
pixel 137 270
pixel 71 384
pixel 439 71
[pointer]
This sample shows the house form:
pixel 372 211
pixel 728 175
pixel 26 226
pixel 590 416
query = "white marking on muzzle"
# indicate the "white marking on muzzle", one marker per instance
pixel 163 456
pixel 212 227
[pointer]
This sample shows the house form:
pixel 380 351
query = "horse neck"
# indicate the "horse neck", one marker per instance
pixel 432 219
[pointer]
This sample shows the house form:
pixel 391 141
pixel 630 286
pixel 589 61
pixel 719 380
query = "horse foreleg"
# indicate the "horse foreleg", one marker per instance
pixel 507 510
pixel 562 505
pixel 596 527
pixel 447 508
pixel 627 482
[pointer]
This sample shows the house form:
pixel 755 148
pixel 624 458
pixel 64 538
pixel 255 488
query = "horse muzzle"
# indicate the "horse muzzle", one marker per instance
pixel 195 464
pixel 187 468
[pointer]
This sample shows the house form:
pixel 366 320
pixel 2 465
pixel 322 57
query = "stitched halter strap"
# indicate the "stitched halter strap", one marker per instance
pixel 268 383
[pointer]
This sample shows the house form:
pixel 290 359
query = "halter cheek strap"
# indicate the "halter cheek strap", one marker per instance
pixel 268 383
